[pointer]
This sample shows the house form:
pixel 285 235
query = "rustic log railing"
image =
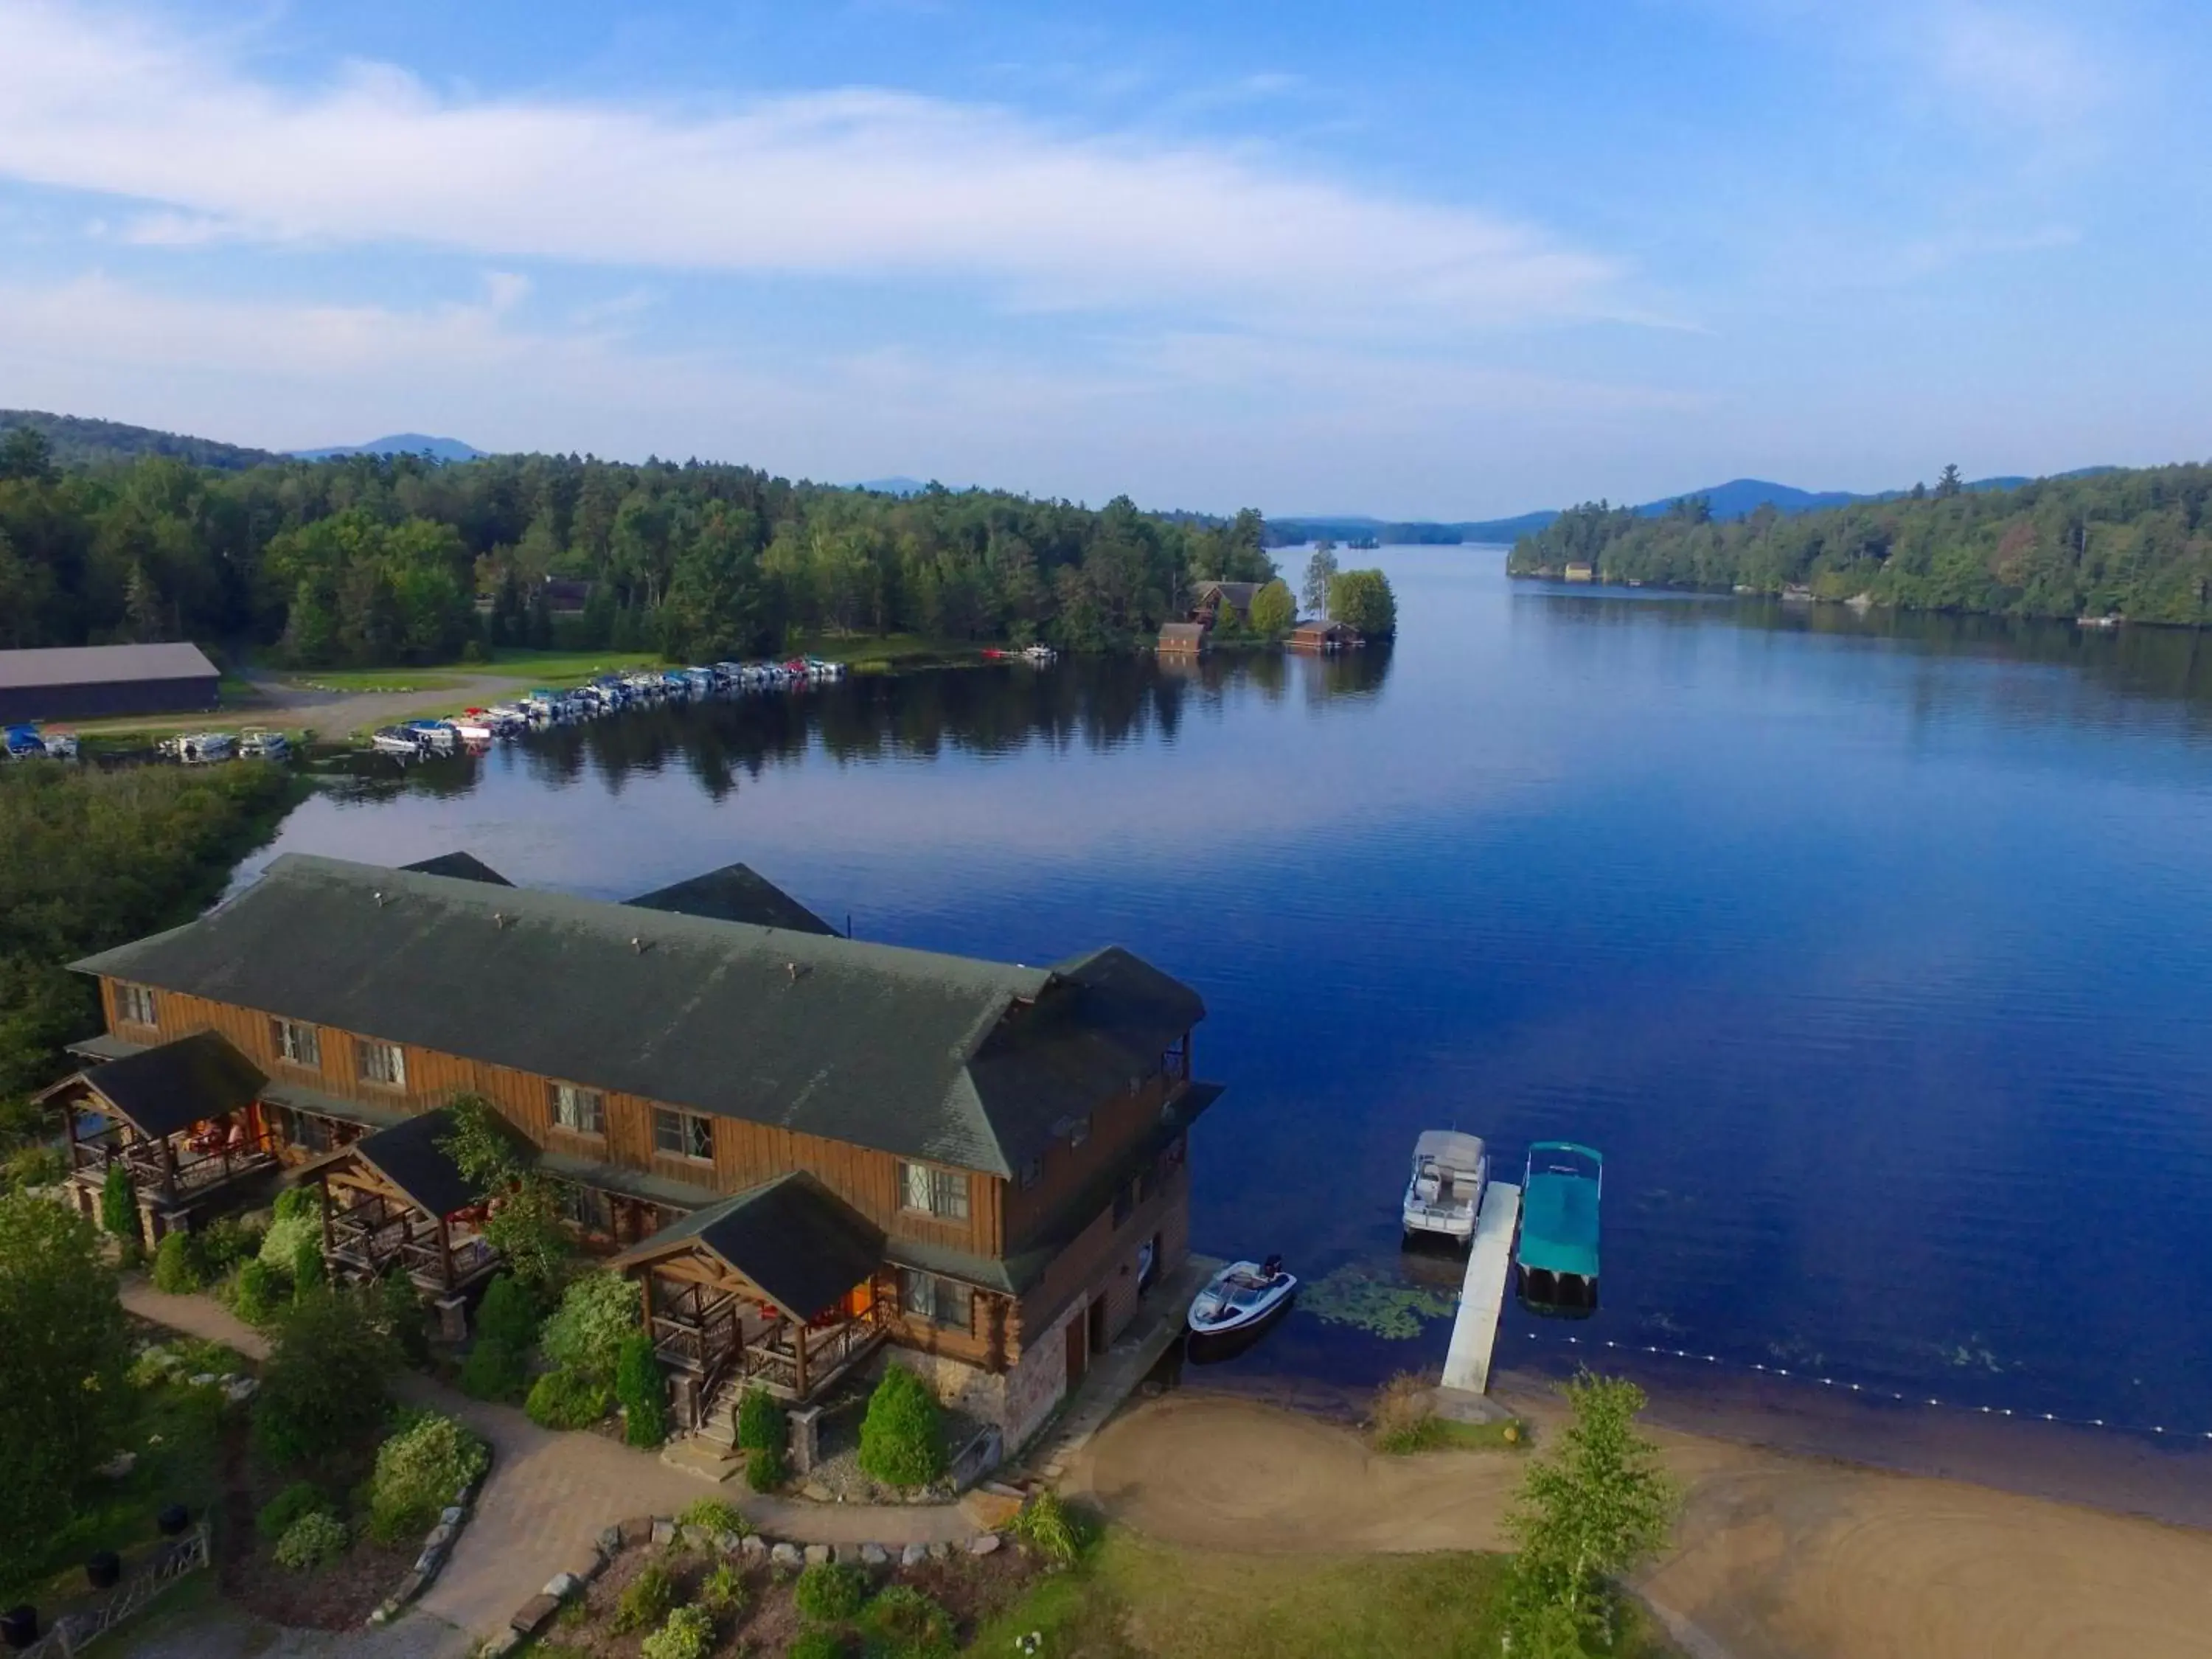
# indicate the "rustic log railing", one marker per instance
pixel 74 1631
pixel 148 1163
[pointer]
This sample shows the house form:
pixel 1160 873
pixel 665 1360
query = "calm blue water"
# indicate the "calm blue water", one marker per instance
pixel 1877 955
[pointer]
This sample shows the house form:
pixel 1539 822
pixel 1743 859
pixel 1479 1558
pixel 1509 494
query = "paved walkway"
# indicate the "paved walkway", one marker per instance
pixel 550 1494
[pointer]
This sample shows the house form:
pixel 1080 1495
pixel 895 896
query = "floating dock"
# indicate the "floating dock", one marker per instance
pixel 1482 1296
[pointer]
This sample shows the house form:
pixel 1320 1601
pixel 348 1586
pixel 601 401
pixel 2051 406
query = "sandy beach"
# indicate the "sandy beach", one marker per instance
pixel 1777 1556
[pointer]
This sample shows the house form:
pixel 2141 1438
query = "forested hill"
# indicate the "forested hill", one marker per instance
pixel 372 559
pixel 75 442
pixel 2138 542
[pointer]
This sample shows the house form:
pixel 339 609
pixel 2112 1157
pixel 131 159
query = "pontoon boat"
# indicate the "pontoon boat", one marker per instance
pixel 1445 1191
pixel 1558 1252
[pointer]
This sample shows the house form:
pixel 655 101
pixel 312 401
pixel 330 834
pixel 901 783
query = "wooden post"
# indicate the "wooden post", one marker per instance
pixel 446 1253
pixel 169 1163
pixel 645 1286
pixel 330 1243
pixel 799 1347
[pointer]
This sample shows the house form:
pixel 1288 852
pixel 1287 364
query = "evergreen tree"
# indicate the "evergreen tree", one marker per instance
pixel 1949 484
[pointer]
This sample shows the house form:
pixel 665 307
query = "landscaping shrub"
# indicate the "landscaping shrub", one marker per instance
pixel 598 1313
pixel 225 1243
pixel 176 1265
pixel 298 1219
pixel 1047 1527
pixel 277 1515
pixel 903 1623
pixel 308 1273
pixel 830 1591
pixel 643 1394
pixel 715 1514
pixel 762 1425
pixel 323 1388
pixel 119 1207
pixel 405 1319
pixel 903 1437
pixel 315 1539
pixel 563 1400
pixel 256 1292
pixel 1404 1415
pixel 689 1634
pixel 816 1644
pixel 724 1589
pixel 32 1167
pixel 495 1370
pixel 645 1599
pixel 418 1470
pixel 508 1313
pixel 766 1469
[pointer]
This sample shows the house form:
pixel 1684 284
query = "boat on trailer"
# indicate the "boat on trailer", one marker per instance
pixel 1556 1260
pixel 1241 1295
pixel 1444 1193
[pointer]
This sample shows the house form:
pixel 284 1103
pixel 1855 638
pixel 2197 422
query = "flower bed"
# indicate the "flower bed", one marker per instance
pixel 749 1588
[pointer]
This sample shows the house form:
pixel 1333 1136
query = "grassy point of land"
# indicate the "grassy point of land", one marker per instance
pixel 1130 1598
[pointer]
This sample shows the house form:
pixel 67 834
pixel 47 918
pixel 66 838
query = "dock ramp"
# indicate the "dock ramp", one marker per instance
pixel 1482 1296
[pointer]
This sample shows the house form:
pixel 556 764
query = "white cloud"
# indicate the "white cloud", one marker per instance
pixel 2023 69
pixel 856 183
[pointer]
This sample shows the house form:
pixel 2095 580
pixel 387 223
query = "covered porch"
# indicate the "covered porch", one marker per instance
pixel 395 1200
pixel 776 1288
pixel 183 1120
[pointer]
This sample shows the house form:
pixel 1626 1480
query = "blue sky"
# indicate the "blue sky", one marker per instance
pixel 1424 260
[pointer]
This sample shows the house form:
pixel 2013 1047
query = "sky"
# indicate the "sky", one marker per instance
pixel 1435 261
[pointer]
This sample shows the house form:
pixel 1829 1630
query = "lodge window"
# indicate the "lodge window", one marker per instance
pixel 940 1192
pixel 682 1134
pixel 381 1063
pixel 298 1045
pixel 939 1301
pixel 579 1111
pixel 589 1207
pixel 306 1131
pixel 134 1006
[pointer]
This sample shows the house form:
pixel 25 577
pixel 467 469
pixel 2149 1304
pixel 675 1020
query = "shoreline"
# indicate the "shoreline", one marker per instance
pixel 2108 1470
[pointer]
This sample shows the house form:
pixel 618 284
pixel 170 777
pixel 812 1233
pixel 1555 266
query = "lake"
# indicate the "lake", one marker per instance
pixel 1875 953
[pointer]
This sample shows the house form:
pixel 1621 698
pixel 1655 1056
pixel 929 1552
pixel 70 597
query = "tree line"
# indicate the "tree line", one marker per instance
pixel 368 560
pixel 2135 543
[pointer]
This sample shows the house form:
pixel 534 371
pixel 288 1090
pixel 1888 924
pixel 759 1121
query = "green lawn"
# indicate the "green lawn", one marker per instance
pixel 176 1431
pixel 1133 1599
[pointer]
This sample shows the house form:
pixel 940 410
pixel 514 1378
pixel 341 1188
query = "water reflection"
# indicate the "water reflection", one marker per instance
pixel 1095 704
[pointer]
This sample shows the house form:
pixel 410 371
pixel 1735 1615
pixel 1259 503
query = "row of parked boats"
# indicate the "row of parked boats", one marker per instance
pixel 609 694
pixel 30 741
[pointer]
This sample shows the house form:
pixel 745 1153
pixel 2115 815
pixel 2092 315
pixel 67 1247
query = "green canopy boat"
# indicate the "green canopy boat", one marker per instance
pixel 1557 1252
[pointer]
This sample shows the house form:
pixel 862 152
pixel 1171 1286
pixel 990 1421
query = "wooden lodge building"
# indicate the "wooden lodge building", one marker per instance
pixel 805 1148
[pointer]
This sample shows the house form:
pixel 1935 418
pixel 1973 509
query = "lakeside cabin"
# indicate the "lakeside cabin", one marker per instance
pixel 808 1151
pixel 1211 598
pixel 1184 638
pixel 1323 636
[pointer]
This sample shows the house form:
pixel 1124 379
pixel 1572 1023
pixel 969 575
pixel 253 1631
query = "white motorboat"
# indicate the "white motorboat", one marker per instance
pixel 1240 1296
pixel 474 727
pixel 60 746
pixel 255 744
pixel 1038 653
pixel 204 748
pixel 1444 1193
pixel 396 740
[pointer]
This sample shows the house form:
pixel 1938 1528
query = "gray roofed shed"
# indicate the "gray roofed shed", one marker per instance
pixel 908 1052
pixel 86 681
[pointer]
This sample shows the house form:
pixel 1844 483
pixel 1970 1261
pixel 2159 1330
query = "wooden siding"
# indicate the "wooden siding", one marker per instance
pixel 1117 1123
pixel 1095 1259
pixel 746 1153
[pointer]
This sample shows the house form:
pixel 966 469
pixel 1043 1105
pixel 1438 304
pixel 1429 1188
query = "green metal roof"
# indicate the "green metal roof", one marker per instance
pixel 736 892
pixel 167 1088
pixel 944 1058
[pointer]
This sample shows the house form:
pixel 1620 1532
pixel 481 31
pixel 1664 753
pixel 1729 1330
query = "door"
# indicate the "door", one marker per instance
pixel 1078 1349
pixel 1097 1322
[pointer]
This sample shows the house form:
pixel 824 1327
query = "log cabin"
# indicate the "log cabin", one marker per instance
pixel 805 1148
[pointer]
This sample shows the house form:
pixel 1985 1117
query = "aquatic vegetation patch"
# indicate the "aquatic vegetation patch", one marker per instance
pixel 1353 1296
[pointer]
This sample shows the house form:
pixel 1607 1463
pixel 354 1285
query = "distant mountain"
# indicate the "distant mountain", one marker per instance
pixel 1736 499
pixel 400 443
pixel 78 441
